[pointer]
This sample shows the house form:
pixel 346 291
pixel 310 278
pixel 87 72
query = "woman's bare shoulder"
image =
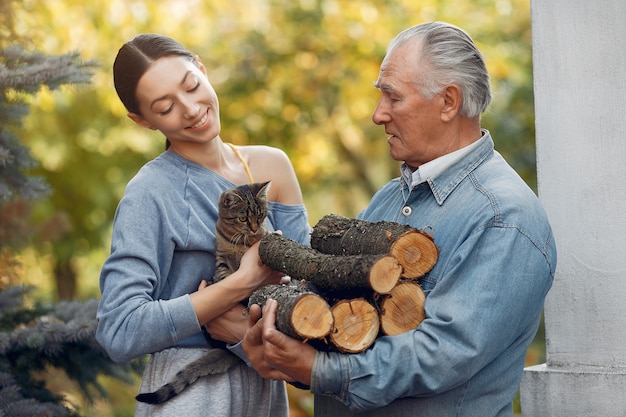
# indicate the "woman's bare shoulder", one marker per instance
pixel 265 156
pixel 262 151
pixel 273 164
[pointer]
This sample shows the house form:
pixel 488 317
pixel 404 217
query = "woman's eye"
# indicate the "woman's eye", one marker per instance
pixel 195 87
pixel 167 111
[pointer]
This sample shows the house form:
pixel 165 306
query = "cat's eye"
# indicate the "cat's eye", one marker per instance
pixel 242 219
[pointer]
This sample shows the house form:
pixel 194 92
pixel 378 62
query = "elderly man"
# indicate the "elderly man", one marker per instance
pixel 496 260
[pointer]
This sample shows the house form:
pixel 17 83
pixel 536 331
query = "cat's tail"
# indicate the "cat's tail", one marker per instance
pixel 216 361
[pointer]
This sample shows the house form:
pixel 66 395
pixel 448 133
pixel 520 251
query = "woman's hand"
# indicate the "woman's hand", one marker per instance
pixel 231 326
pixel 212 301
pixel 252 266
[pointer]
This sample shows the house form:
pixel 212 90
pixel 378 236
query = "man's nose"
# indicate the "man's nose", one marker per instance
pixel 380 115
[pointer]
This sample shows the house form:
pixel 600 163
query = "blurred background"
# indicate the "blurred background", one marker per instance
pixel 295 74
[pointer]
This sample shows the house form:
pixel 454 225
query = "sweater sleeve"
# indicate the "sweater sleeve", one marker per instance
pixel 291 220
pixel 133 319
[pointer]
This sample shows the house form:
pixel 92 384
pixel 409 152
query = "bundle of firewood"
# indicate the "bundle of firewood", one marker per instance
pixel 356 282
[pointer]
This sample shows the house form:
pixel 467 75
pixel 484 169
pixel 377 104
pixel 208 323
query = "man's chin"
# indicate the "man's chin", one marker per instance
pixel 394 155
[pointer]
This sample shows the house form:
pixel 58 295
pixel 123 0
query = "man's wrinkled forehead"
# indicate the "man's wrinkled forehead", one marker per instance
pixel 399 62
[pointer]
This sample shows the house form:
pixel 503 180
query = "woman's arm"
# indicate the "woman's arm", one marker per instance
pixel 213 300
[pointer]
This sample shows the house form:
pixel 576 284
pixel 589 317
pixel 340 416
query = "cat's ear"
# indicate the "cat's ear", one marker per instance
pixel 227 199
pixel 264 189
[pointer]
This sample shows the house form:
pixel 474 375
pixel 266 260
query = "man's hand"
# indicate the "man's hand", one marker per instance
pixel 274 354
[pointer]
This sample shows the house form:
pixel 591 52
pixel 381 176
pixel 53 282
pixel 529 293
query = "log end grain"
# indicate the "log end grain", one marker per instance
pixel 385 274
pixel 356 325
pixel 402 309
pixel 416 252
pixel 311 317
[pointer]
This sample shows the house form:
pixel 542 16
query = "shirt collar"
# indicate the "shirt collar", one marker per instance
pixel 436 167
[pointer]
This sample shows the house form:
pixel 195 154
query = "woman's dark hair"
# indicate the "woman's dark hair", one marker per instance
pixel 134 58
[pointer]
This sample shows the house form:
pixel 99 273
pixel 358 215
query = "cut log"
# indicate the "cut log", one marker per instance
pixel 329 273
pixel 415 250
pixel 301 314
pixel 356 325
pixel 402 309
pixel 338 235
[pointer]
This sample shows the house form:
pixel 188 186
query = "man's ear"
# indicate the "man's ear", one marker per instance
pixel 452 98
pixel 140 121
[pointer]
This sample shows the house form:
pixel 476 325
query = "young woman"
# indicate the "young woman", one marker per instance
pixel 154 299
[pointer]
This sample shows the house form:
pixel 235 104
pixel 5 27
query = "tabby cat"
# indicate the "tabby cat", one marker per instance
pixel 240 224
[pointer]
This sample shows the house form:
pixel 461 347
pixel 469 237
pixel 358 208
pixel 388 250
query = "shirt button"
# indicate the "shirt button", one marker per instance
pixel 406 210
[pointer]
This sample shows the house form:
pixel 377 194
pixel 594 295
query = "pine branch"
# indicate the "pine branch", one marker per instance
pixel 12 297
pixel 13 404
pixel 15 160
pixel 61 336
pixel 28 71
pixel 23 73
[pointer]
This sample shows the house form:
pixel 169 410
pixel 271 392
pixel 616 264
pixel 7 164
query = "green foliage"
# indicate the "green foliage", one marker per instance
pixel 13 404
pixel 293 74
pixel 23 73
pixel 62 336
pixel 36 339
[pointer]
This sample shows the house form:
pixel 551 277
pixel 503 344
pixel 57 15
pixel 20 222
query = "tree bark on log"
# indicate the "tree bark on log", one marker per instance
pixel 301 314
pixel 356 325
pixel 338 235
pixel 356 266
pixel 352 325
pixel 415 250
pixel 402 309
pixel 330 273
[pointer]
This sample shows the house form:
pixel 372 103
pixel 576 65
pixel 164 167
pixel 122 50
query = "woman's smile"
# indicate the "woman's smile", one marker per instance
pixel 201 122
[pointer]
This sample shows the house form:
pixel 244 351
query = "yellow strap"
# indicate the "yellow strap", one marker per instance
pixel 245 165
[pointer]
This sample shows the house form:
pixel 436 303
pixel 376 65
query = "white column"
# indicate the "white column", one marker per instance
pixel 579 54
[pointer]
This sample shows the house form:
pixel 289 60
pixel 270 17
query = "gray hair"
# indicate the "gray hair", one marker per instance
pixel 453 59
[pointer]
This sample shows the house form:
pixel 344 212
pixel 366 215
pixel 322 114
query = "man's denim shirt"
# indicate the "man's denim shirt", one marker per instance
pixel 485 295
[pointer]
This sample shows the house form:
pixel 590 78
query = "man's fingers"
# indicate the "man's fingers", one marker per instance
pixel 255 314
pixel 269 317
pixel 270 333
pixel 254 334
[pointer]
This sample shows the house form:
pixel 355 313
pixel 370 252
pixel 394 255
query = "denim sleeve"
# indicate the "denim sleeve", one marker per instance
pixel 487 298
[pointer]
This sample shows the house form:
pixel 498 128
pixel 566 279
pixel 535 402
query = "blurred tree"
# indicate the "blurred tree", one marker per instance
pixel 35 337
pixel 22 74
pixel 294 74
